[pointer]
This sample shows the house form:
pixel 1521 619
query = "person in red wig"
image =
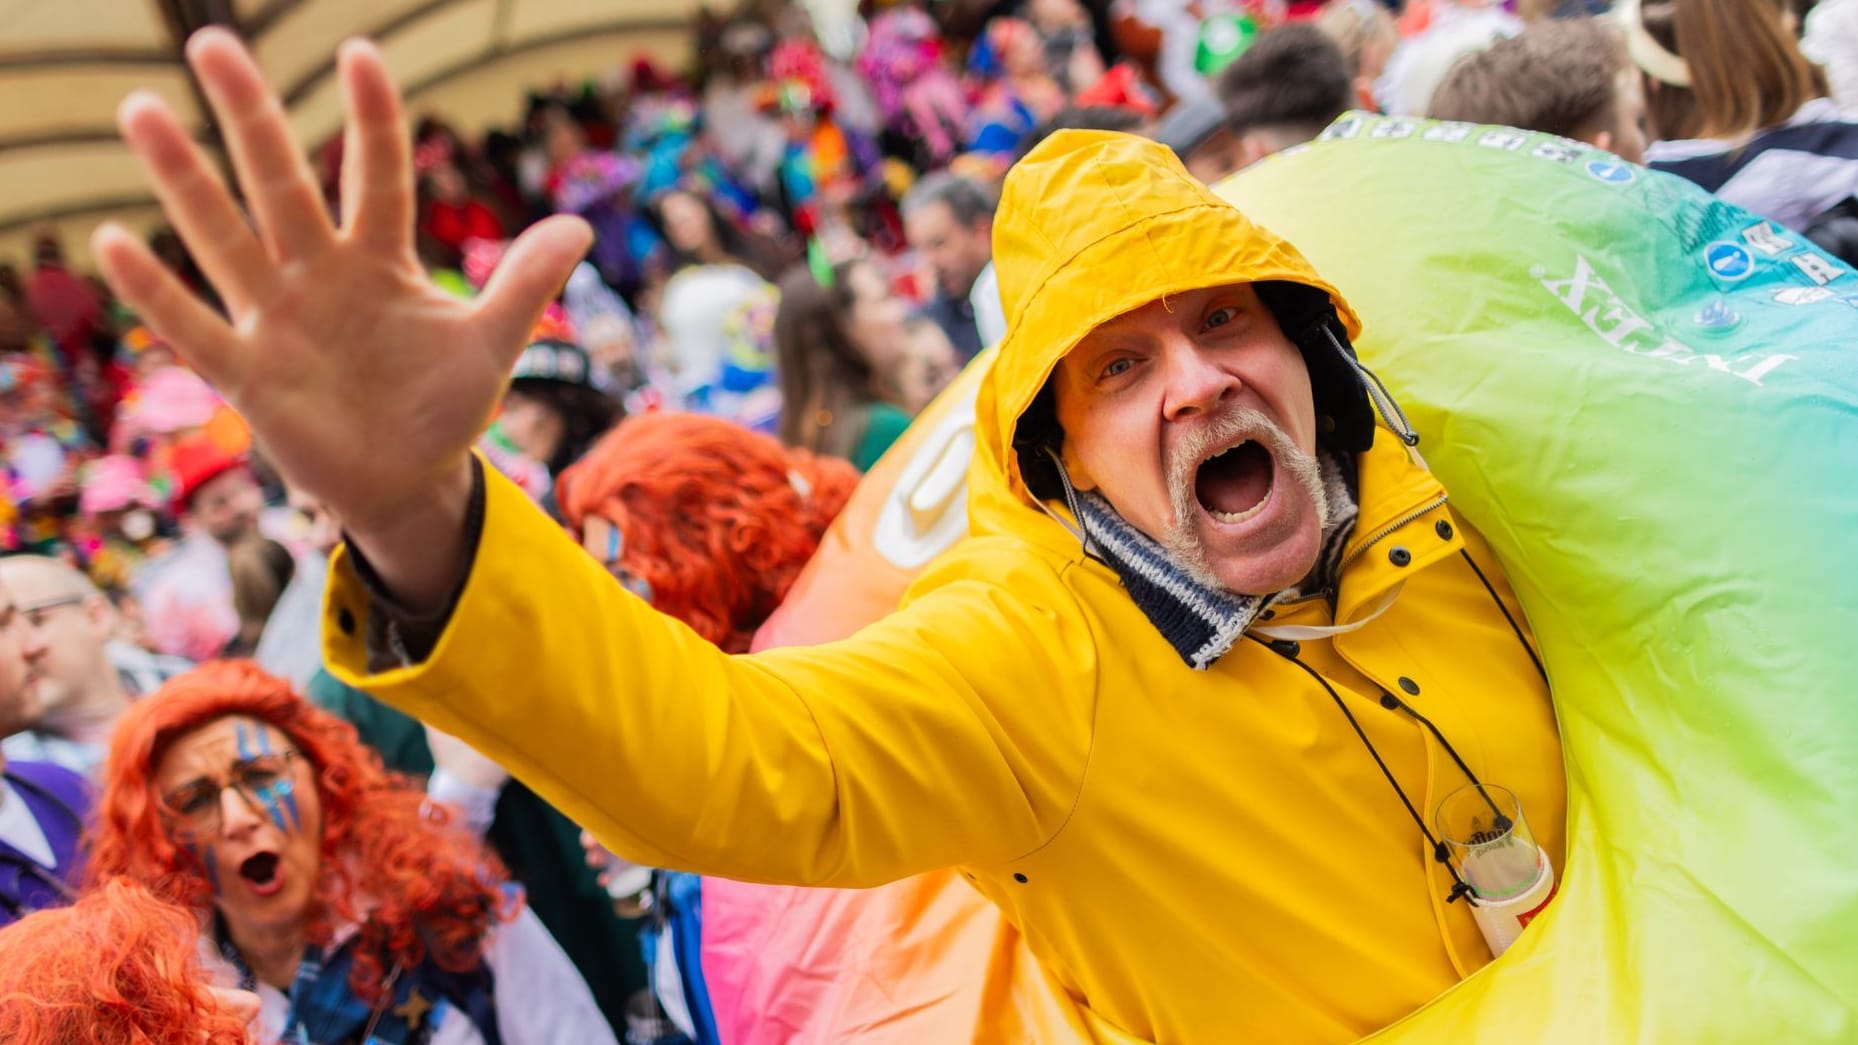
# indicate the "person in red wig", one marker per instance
pixel 706 520
pixel 333 889
pixel 119 967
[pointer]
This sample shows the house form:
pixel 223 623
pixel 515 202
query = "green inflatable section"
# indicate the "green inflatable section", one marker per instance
pixel 1648 401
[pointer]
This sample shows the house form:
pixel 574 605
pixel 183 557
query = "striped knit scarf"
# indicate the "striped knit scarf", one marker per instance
pixel 1199 621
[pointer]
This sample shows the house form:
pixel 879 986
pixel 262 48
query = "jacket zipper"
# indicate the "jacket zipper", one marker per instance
pixel 1382 533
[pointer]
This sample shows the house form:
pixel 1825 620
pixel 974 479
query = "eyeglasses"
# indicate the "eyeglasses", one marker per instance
pixel 263 781
pixel 35 612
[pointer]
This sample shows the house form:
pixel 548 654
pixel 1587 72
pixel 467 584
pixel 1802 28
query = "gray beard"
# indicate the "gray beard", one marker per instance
pixel 1182 540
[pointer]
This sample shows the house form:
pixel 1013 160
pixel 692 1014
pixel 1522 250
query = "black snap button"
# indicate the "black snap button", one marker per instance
pixel 1286 647
pixel 1389 701
pixel 1399 556
pixel 1409 685
pixel 345 620
pixel 1267 615
pixel 1017 877
pixel 1445 530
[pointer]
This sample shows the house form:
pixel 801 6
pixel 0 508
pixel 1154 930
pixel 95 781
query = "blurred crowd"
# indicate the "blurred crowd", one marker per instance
pixel 793 238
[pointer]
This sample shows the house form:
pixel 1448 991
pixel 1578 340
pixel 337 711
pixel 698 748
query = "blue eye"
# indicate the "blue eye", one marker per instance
pixel 1118 367
pixel 1222 317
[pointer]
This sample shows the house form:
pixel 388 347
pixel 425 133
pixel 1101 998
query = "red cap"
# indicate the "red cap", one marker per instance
pixel 196 462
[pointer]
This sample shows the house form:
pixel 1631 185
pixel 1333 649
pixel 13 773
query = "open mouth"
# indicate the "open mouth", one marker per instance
pixel 1235 484
pixel 264 872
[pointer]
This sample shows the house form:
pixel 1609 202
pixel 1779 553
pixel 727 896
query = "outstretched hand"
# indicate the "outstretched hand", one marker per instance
pixel 364 383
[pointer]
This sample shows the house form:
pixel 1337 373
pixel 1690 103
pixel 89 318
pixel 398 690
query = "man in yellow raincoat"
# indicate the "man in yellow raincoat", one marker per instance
pixel 1181 707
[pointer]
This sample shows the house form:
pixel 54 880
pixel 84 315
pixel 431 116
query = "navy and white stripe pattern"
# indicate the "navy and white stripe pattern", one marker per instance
pixel 1199 621
pixel 1790 174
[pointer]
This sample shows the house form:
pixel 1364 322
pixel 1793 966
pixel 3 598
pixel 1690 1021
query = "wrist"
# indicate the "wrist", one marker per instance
pixel 417 543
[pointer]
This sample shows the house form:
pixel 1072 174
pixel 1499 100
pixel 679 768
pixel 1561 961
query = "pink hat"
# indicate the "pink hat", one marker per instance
pixel 112 484
pixel 172 399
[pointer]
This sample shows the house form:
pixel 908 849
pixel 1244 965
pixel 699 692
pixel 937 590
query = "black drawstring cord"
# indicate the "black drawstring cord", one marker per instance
pixel 1515 627
pixel 1460 888
pixel 1390 701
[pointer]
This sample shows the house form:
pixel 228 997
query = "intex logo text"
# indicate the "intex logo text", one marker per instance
pixel 1589 297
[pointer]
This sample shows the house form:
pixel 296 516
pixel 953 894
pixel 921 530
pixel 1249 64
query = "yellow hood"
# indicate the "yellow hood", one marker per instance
pixel 1093 224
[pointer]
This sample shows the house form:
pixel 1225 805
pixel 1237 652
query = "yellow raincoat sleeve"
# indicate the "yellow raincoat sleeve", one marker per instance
pixel 953 732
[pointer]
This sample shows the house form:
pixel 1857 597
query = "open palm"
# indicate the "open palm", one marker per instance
pixel 364 384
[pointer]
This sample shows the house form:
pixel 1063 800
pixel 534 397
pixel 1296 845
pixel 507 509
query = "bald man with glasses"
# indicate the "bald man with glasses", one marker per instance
pixel 42 806
pixel 82 691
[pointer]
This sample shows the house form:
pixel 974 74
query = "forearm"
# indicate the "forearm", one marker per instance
pixel 817 766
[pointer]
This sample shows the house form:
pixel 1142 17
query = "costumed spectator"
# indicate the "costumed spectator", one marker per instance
pixel 707 522
pixel 555 407
pixel 1568 77
pixel 1367 35
pixel 117 527
pixel 746 138
pixel 922 101
pixel 1421 61
pixel 602 188
pixel 839 336
pixel 42 452
pixel 63 304
pixel 1733 106
pixel 607 330
pixel 1284 90
pixel 340 895
pixel 709 314
pixel 710 524
pixel 118 967
pixel 949 222
pixel 825 159
pixel 450 216
pixel 81 691
pixel 42 806
pixel 1017 92
pixel 186 594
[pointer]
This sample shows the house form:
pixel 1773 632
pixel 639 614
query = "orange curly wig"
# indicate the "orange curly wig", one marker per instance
pixel 120 967
pixel 391 862
pixel 716 518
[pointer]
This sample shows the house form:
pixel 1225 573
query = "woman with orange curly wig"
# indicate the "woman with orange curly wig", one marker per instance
pixel 331 888
pixel 119 967
pixel 707 521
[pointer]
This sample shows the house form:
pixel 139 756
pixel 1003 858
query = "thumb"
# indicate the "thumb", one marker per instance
pixel 528 278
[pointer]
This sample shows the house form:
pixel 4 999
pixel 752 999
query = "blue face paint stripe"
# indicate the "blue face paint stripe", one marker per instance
pixel 268 796
pixel 287 793
pixel 245 741
pixel 210 860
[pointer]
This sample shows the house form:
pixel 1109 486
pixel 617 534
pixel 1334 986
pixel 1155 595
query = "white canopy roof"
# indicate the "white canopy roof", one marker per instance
pixel 65 64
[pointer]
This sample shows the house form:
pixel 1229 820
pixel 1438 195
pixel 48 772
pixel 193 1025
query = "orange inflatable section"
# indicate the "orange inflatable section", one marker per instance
pixel 924 959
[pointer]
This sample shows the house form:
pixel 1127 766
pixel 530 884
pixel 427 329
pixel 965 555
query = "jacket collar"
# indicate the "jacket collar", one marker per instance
pixel 1202 622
